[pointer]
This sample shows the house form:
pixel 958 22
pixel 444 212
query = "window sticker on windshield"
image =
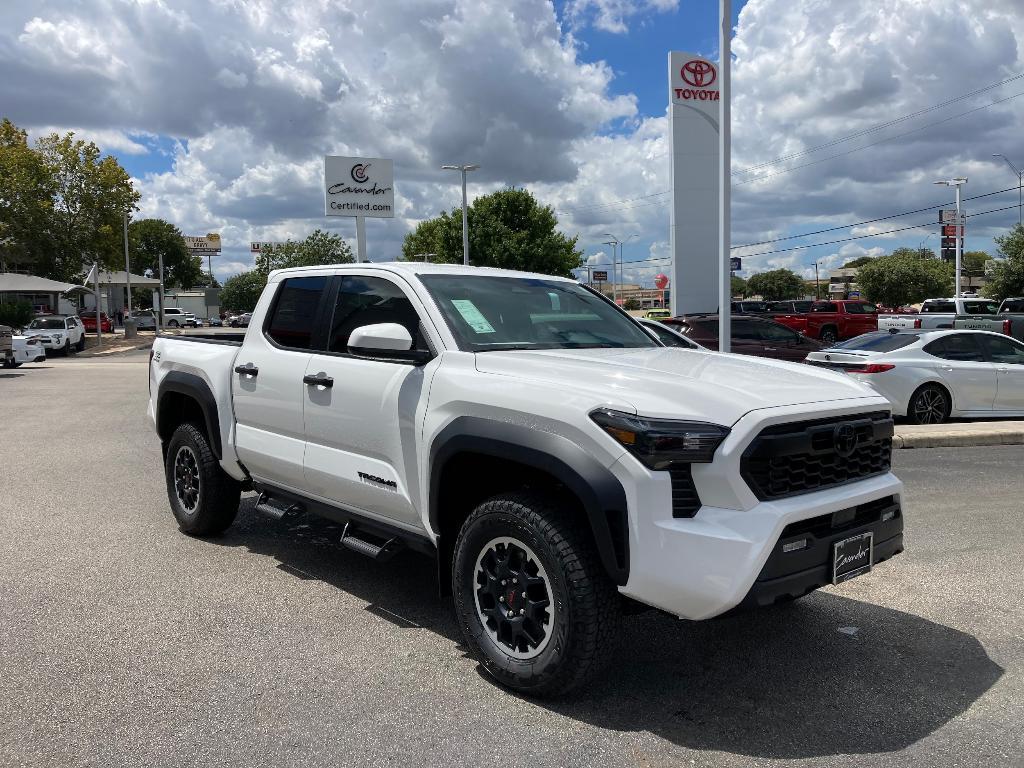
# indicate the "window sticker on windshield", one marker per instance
pixel 556 301
pixel 472 316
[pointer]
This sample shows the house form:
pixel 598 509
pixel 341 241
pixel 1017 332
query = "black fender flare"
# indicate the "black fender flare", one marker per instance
pixel 192 386
pixel 599 491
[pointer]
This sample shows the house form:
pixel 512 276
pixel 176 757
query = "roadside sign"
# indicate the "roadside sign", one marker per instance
pixel 735 263
pixel 854 294
pixel 948 216
pixel 359 186
pixel 257 247
pixel 950 230
pixel 205 244
pixel 600 276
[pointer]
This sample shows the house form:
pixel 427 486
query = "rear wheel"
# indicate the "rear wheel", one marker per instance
pixel 204 498
pixel 829 335
pixel 532 599
pixel 172 323
pixel 929 405
pixel 81 344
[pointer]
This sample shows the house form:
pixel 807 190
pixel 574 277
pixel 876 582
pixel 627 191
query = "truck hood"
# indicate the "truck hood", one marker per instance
pixel 678 383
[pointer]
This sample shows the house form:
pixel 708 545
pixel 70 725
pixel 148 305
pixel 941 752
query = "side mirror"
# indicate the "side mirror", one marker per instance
pixel 385 341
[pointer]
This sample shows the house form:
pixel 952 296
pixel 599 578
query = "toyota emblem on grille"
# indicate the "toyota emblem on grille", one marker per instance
pixel 844 439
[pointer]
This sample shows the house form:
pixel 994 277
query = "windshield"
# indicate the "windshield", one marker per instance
pixel 879 342
pixel 488 313
pixel 48 324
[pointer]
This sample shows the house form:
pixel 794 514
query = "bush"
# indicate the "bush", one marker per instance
pixel 16 314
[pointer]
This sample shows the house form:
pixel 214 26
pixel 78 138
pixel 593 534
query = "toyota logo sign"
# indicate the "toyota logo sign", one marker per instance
pixel 699 74
pixel 844 440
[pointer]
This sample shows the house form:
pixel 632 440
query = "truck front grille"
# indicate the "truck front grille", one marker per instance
pixel 790 459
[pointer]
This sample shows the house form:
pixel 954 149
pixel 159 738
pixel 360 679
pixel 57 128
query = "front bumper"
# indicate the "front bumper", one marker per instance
pixel 703 566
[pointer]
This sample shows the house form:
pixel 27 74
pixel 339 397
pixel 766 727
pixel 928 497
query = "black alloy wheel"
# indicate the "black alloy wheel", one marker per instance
pixel 186 479
pixel 829 336
pixel 203 497
pixel 929 405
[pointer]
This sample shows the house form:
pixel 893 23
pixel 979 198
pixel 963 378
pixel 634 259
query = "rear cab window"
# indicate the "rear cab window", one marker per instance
pixel 291 321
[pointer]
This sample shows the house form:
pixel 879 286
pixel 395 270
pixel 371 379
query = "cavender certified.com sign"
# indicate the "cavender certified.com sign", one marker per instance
pixel 359 186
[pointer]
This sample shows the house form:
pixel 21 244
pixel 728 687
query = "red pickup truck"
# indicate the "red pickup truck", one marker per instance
pixel 832 321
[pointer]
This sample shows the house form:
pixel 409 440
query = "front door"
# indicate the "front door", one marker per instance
pixel 968 375
pixel 1007 355
pixel 267 387
pixel 361 426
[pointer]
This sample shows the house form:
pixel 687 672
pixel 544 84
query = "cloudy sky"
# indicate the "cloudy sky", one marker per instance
pixel 844 111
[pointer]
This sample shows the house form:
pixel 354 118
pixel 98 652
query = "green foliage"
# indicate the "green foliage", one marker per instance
pixel 241 292
pixel 507 229
pixel 776 285
pixel 630 304
pixel 148 239
pixel 1007 277
pixel 904 278
pixel 16 314
pixel 860 261
pixel 62 204
pixel 317 249
pixel 975 261
pixel 739 287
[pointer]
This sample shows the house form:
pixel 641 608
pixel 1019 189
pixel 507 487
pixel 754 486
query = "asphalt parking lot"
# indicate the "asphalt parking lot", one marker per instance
pixel 123 642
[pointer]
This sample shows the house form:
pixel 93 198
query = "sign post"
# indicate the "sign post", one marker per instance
pixel 359 187
pixel 209 245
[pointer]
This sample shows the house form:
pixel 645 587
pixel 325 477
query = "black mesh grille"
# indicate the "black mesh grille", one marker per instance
pixel 685 501
pixel 790 459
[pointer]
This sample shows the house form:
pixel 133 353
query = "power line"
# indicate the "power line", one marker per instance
pixel 878 127
pixel 869 221
pixel 613 202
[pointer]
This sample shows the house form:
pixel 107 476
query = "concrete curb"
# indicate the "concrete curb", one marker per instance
pixel 959 435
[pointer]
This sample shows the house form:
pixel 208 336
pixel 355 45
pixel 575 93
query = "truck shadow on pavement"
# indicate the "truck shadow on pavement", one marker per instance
pixel 827 675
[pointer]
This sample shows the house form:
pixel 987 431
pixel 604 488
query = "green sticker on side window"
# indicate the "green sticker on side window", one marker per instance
pixel 472 316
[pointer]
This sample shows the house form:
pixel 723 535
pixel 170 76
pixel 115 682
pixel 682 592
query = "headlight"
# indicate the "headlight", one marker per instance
pixel 659 443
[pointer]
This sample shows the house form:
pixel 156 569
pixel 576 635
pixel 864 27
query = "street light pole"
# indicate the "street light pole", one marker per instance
pixel 465 214
pixel 817 289
pixel 1020 183
pixel 957 183
pixel 127 264
pixel 614 243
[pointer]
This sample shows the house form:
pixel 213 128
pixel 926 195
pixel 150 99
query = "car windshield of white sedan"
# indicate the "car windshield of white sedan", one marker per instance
pixel 879 342
pixel 47 324
pixel 500 313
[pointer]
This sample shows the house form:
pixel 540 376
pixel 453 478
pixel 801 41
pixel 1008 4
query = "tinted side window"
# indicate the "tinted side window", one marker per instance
pixel 291 322
pixel 958 347
pixel 1013 305
pixel 825 307
pixel 1003 350
pixel 775 333
pixel 939 306
pixel 744 330
pixel 369 301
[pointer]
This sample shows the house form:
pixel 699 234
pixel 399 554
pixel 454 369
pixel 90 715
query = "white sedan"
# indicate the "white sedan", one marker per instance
pixel 931 376
pixel 27 349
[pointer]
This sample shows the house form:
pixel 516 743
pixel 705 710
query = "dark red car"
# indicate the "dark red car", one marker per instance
pixel 833 321
pixel 751 335
pixel 88 318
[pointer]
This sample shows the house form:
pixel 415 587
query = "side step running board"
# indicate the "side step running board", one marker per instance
pixel 277 510
pixel 379 552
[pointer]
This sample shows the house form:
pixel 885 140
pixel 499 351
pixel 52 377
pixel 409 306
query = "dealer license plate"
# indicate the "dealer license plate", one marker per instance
pixel 852 557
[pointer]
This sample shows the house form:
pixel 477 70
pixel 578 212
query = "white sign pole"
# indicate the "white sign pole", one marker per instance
pixel 361 239
pixel 724 180
pixel 99 329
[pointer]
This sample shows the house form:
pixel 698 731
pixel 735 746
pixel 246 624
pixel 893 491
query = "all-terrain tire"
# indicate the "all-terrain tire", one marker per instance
pixel 203 497
pixel 828 335
pixel 585 607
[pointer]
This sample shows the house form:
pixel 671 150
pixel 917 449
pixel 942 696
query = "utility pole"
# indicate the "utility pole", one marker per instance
pixel 1020 183
pixel 957 183
pixel 465 214
pixel 614 242
pixel 127 265
pixel 817 288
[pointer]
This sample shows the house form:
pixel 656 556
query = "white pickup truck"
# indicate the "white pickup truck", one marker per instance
pixel 938 314
pixel 559 462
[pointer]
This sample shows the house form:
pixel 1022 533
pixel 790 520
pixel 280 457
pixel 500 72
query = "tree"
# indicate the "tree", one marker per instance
pixel 148 239
pixel 26 194
pixel 738 286
pixel 860 261
pixel 1008 271
pixel 776 285
pixel 317 249
pixel 630 304
pixel 90 196
pixel 242 291
pixel 904 278
pixel 507 229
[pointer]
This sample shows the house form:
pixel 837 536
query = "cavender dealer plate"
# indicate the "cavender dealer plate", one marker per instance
pixel 852 557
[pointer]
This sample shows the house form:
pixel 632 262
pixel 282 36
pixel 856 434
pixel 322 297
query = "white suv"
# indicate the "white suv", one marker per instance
pixel 58 333
pixel 176 317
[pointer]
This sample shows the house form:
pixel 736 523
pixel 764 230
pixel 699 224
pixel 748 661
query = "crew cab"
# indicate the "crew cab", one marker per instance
pixel 832 321
pixel 938 314
pixel 1008 320
pixel 559 462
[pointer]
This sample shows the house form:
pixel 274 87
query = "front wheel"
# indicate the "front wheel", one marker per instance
pixel 829 336
pixel 172 324
pixel 533 602
pixel 66 349
pixel 204 499
pixel 929 405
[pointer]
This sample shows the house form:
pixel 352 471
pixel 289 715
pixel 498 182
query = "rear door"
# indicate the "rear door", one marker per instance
pixel 266 384
pixel 746 337
pixel 1007 355
pixel 361 428
pixel 962 366
pixel 782 343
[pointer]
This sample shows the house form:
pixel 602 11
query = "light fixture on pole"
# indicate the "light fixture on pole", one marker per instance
pixel 817 291
pixel 956 183
pixel 465 215
pixel 1020 182
pixel 920 246
pixel 613 242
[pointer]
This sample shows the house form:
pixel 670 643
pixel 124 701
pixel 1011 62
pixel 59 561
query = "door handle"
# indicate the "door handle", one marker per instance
pixel 770 349
pixel 1003 369
pixel 247 370
pixel 318 381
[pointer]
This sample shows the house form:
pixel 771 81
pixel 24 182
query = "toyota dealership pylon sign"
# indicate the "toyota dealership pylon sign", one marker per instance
pixel 695 109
